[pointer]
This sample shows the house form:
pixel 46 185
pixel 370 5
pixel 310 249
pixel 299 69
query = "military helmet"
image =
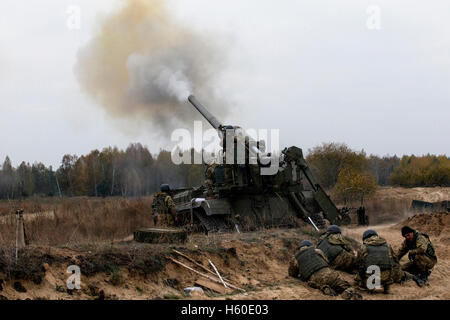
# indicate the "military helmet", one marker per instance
pixel 165 187
pixel 368 233
pixel 334 229
pixel 305 243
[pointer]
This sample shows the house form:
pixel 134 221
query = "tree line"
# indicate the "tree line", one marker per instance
pixel 136 172
pixel 346 171
pixel 425 171
pixel 111 172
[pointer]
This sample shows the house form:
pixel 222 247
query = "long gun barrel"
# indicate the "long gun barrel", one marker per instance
pixel 213 120
pixel 205 113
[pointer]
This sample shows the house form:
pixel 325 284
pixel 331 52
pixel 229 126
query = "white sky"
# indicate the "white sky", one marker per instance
pixel 311 68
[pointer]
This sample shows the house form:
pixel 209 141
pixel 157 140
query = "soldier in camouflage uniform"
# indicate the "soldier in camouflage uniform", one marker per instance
pixel 164 212
pixel 210 179
pixel 377 252
pixel 337 250
pixel 422 255
pixel 311 265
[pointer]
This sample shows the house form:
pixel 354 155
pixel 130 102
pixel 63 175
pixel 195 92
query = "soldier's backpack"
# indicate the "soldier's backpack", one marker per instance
pixel 377 256
pixel 309 262
pixel 330 250
pixel 159 203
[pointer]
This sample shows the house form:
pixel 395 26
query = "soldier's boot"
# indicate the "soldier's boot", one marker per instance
pixel 351 294
pixel 424 276
pixel 406 277
pixel 386 288
pixel 327 290
pixel 356 296
pixel 419 281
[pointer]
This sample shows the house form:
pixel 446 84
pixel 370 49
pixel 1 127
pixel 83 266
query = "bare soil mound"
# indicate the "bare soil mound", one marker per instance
pixel 434 194
pixel 393 204
pixel 434 223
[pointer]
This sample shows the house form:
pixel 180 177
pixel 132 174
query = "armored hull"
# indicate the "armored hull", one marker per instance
pixel 242 196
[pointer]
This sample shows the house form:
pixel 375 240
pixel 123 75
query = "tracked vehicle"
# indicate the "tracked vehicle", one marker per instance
pixel 242 196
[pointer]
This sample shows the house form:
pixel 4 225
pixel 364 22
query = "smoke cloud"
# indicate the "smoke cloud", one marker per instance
pixel 142 64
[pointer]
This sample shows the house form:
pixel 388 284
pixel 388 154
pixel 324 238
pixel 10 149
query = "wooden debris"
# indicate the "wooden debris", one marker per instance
pixel 218 274
pixel 212 286
pixel 204 275
pixel 196 263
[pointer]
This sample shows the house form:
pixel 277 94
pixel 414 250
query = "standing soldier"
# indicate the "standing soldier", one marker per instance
pixel 311 265
pixel 363 219
pixel 422 255
pixel 164 212
pixel 210 179
pixel 377 252
pixel 337 250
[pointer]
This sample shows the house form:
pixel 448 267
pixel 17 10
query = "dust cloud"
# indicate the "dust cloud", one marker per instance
pixel 142 64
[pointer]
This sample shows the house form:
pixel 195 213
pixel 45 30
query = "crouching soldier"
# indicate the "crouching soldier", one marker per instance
pixel 422 255
pixel 337 250
pixel 311 266
pixel 376 252
pixel 164 212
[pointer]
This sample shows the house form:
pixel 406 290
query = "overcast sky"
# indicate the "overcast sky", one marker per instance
pixel 313 69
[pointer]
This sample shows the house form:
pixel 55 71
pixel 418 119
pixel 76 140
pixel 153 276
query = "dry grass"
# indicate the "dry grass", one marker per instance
pixel 84 220
pixel 76 220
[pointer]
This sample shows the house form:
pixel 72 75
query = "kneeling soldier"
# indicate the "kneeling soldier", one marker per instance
pixel 311 265
pixel 422 255
pixel 337 250
pixel 377 252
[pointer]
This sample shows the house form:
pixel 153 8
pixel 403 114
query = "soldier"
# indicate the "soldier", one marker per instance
pixel 311 265
pixel 377 252
pixel 363 219
pixel 337 250
pixel 164 212
pixel 422 255
pixel 210 179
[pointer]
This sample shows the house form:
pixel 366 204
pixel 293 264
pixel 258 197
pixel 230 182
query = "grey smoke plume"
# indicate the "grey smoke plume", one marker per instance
pixel 154 80
pixel 143 65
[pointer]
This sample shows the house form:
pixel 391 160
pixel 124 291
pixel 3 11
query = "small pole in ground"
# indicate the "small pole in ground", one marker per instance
pixel 20 232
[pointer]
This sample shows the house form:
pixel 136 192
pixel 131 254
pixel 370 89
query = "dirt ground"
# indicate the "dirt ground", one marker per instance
pixel 256 262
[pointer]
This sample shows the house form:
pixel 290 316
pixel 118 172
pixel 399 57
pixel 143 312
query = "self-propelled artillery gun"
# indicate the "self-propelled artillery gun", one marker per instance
pixel 249 189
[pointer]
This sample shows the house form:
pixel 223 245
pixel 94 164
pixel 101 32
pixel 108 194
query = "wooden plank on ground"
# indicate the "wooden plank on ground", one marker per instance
pixel 212 286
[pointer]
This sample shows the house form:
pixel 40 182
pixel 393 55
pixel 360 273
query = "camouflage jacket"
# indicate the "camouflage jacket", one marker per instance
pixel 163 202
pixel 337 239
pixel 209 172
pixel 419 245
pixel 373 241
pixel 294 270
